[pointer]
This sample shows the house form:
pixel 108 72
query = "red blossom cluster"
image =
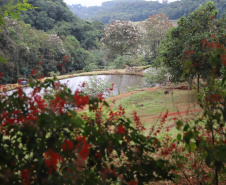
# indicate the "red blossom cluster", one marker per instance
pixel 33 72
pixel 223 56
pixel 80 100
pixel 72 148
pixel 25 174
pixel 51 160
pixel 139 125
pixel 1 75
pixel 113 116
pixel 121 130
pixel 169 146
pixel 67 145
pixel 213 98
pixel 66 58
pixel 83 153
pixel 215 45
pixel 133 182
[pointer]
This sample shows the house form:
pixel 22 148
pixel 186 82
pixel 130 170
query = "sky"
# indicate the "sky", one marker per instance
pixel 92 2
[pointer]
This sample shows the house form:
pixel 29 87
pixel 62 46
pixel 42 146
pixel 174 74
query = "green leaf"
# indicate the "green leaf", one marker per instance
pixel 179 137
pixel 77 122
pixel 192 146
pixel 186 127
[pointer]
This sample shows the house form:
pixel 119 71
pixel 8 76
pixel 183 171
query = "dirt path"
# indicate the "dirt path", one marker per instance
pixel 130 93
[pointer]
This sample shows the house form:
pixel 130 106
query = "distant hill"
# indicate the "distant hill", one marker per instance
pixel 139 10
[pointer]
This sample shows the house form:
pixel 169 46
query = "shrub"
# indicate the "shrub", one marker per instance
pixel 43 140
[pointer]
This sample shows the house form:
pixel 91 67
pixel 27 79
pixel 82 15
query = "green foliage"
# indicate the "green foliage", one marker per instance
pixel 96 86
pixel 205 136
pixel 120 62
pixel 156 26
pixel 56 16
pixel 118 10
pixel 155 76
pixel 13 10
pixel 186 42
pixel 141 10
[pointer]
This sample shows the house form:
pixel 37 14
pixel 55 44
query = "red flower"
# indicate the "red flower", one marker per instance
pixel 84 152
pixel 40 63
pixel 51 160
pixel 212 17
pixel 187 52
pixel 80 100
pixel 139 125
pixel 65 59
pixel 204 42
pixel 60 64
pixel 33 72
pixel 25 174
pixel 133 182
pixel 112 87
pixel 223 56
pixel 121 130
pixel 67 145
pixel 213 96
pixel 213 35
pixel 1 75
pixel 195 64
pixel 98 155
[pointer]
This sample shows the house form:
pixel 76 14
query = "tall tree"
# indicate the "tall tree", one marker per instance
pixel 121 38
pixel 155 28
pixel 184 48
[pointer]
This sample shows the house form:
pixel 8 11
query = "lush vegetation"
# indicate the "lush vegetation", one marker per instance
pixel 45 138
pixel 141 10
pixel 64 47
pixel 129 43
pixel 185 51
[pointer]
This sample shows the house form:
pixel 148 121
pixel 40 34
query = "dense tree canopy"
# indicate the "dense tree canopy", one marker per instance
pixel 141 10
pixel 25 48
pixel 184 45
pixel 155 28
pixel 54 15
pixel 121 37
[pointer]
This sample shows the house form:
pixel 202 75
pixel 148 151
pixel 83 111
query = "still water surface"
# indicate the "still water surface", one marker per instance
pixel 122 83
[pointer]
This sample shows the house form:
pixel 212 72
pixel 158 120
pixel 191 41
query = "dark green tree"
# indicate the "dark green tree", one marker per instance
pixel 184 48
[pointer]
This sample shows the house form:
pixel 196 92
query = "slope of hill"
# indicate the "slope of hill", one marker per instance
pixel 141 10
pixel 52 39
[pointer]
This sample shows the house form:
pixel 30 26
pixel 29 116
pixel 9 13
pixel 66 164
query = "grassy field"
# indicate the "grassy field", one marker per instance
pixel 152 103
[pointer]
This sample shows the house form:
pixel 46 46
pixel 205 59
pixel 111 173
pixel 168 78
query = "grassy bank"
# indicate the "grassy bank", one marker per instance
pixel 152 103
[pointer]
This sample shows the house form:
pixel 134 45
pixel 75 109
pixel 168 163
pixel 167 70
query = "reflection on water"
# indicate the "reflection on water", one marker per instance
pixel 121 83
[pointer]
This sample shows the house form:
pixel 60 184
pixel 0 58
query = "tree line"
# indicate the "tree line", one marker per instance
pixel 141 10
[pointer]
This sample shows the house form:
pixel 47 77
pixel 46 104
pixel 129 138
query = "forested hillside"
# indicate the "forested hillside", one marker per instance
pixel 49 38
pixel 141 10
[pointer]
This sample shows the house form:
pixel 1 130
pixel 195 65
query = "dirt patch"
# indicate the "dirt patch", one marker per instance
pixel 130 93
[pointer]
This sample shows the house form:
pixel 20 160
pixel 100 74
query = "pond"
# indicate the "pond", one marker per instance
pixel 122 83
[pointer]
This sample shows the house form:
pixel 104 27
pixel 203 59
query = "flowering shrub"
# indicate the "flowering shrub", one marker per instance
pixel 201 142
pixel 44 140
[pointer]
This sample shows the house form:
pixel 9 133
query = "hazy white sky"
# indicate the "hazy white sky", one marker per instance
pixel 93 2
